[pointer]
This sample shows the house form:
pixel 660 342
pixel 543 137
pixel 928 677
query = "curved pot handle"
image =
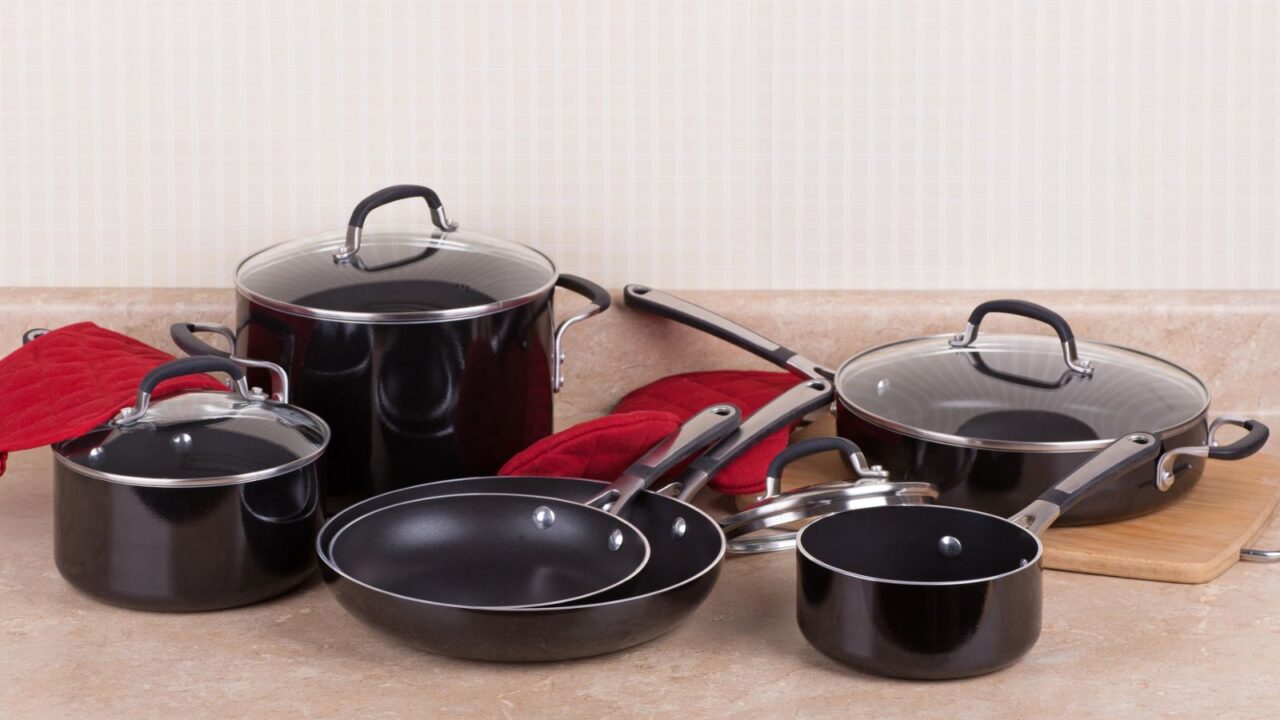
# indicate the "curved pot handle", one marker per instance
pixel 650 300
pixel 742 529
pixel 850 453
pixel 1251 443
pixel 33 333
pixel 1031 311
pixel 600 301
pixel 184 336
pixel 178 368
pixel 355 226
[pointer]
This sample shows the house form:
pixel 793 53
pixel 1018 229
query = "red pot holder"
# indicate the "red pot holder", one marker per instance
pixel 68 381
pixel 602 448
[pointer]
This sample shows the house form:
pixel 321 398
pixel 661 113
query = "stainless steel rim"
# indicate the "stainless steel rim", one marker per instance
pixel 330 244
pixel 323 553
pixel 1009 445
pixel 1034 562
pixel 215 481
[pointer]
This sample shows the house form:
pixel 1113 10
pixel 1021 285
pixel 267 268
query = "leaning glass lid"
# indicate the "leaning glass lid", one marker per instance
pixel 198 438
pixel 398 275
pixel 1018 392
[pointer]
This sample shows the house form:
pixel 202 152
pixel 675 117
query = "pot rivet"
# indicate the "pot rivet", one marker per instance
pixel 882 387
pixel 181 441
pixel 678 528
pixel 950 546
pixel 615 539
pixel 544 517
pixel 95 455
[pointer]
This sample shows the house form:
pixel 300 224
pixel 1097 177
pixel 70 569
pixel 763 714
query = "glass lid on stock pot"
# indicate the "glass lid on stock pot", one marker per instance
pixel 1018 392
pixel 197 438
pixel 398 275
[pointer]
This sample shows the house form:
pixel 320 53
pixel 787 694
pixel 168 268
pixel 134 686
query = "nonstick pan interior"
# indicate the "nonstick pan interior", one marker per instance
pixel 490 550
pixel 920 544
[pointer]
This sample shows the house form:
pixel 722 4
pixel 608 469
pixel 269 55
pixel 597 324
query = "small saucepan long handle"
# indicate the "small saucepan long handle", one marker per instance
pixel 1118 458
pixel 666 305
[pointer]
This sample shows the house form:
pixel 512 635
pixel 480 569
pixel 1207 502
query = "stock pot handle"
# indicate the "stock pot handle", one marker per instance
pixel 1252 442
pixel 1031 311
pixel 600 301
pixel 184 336
pixel 355 226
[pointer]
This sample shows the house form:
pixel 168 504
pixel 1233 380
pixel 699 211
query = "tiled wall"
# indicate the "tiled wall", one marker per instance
pixel 730 144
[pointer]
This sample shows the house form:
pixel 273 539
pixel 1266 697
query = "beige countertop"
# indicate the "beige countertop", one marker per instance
pixel 1109 648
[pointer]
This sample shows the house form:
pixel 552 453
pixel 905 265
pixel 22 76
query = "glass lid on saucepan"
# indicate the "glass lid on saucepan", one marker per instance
pixel 197 438
pixel 400 275
pixel 1018 392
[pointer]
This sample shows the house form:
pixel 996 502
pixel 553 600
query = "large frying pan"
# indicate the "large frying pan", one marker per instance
pixel 511 550
pixel 686 549
pixel 994 420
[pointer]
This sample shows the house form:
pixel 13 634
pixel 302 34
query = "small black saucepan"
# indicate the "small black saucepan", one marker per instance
pixel 509 550
pixel 199 501
pixel 994 420
pixel 686 552
pixel 930 592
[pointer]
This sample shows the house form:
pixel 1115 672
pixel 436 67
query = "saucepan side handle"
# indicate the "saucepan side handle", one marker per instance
pixel 600 301
pixel 1253 441
pixel 184 336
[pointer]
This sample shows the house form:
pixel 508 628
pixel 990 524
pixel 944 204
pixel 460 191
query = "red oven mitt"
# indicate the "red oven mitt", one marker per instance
pixel 602 448
pixel 68 381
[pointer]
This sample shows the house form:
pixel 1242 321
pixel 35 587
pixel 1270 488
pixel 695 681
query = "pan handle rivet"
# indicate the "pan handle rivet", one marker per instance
pixel 615 539
pixel 181 441
pixel 544 517
pixel 678 528
pixel 950 546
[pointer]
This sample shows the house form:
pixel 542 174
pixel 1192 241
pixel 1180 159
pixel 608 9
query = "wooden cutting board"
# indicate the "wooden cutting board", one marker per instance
pixel 1192 541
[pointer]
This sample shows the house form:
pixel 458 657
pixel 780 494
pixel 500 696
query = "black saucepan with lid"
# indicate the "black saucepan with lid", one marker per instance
pixel 199 501
pixel 932 592
pixel 992 419
pixel 431 352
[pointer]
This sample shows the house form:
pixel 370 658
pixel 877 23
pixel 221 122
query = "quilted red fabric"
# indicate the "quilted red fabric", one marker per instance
pixel 599 449
pixel 68 381
pixel 604 447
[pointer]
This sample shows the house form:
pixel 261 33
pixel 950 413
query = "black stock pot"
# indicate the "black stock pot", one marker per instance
pixel 200 501
pixel 431 354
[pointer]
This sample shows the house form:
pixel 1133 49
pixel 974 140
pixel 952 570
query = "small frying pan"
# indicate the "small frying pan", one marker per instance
pixel 931 592
pixel 508 550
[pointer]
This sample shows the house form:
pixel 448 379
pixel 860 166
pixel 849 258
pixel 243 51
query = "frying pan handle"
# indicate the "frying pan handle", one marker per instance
pixel 1031 311
pixel 355 226
pixel 600 301
pixel 1123 455
pixel 708 426
pixel 179 368
pixel 849 452
pixel 1166 469
pixel 789 407
pixel 184 336
pixel 671 307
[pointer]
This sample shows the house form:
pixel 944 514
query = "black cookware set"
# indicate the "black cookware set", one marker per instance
pixel 402 368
